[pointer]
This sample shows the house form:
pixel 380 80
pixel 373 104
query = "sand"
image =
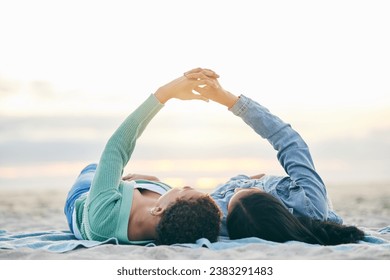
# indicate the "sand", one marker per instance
pixel 366 206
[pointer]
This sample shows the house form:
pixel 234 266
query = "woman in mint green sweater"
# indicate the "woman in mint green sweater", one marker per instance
pixel 102 204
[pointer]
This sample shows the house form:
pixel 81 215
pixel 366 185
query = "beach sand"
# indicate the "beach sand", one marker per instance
pixel 366 206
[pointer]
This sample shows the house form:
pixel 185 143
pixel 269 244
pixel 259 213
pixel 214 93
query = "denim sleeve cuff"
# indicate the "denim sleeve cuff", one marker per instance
pixel 240 106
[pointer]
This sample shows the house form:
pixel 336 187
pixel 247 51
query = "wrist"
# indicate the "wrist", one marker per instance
pixel 162 95
pixel 230 100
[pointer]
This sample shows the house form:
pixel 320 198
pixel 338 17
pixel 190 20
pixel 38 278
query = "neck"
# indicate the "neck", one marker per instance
pixel 142 224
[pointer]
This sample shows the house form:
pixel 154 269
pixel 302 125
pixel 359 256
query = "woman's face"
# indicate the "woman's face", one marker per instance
pixel 172 195
pixel 240 193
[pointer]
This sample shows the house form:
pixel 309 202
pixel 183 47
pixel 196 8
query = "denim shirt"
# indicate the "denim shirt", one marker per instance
pixel 302 192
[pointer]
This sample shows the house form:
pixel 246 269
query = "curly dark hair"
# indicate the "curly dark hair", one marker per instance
pixel 263 216
pixel 185 221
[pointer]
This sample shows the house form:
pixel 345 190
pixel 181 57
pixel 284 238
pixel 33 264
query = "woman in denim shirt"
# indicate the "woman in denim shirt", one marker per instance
pixel 277 208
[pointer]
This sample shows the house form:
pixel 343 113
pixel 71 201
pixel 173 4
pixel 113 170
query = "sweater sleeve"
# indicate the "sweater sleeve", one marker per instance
pixel 292 151
pixel 103 204
pixel 120 146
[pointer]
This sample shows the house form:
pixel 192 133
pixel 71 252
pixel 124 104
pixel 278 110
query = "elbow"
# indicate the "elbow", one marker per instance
pixel 320 212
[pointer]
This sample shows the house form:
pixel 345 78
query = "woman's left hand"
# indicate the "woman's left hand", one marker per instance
pixel 183 88
pixel 133 176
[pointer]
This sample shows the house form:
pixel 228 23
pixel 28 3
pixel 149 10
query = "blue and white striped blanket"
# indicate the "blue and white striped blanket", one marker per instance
pixel 64 241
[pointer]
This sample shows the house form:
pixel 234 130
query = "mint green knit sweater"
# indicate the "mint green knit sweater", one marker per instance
pixel 104 212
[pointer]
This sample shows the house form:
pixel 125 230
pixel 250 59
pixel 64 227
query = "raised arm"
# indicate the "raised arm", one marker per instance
pixel 120 146
pixel 293 153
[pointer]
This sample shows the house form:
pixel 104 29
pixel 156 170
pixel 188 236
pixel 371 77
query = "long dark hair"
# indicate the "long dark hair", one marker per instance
pixel 262 215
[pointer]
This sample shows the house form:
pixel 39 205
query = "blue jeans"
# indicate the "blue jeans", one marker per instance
pixel 81 186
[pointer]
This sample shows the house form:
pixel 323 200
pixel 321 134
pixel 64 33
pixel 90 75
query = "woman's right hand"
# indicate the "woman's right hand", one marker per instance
pixel 183 87
pixel 214 91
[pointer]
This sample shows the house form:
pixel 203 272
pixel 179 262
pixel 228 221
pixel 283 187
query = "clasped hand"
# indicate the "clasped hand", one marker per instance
pixel 199 84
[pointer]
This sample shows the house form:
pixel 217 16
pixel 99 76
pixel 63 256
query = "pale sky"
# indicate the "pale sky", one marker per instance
pixel 70 71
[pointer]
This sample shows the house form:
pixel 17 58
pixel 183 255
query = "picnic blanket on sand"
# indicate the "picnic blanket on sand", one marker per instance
pixel 64 241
